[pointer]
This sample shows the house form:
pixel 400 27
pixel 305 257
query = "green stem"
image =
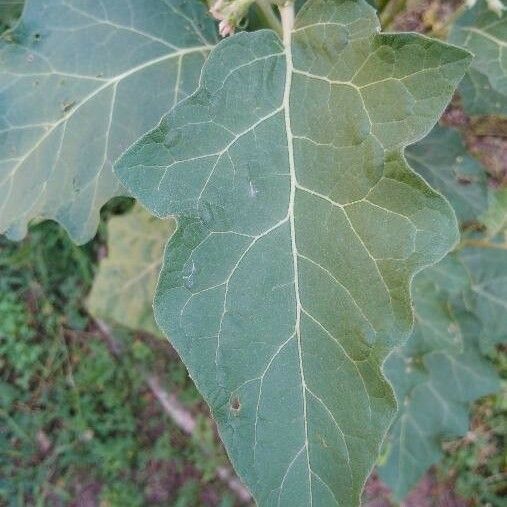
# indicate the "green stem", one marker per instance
pixel 269 16
pixel 287 14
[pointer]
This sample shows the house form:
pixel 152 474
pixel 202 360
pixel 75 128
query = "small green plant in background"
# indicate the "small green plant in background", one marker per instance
pixel 17 342
pixel 73 417
pixel 478 462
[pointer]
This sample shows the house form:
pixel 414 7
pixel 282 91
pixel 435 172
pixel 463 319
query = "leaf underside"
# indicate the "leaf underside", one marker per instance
pixel 300 226
pixel 80 81
pixel 484 33
pixel 124 285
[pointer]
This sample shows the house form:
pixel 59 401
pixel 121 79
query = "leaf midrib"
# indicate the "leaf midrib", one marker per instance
pixel 287 14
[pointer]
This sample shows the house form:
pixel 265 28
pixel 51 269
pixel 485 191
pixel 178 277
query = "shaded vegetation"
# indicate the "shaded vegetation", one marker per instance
pixel 76 423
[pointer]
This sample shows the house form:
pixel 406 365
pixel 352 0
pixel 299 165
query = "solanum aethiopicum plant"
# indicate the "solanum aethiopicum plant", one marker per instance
pixel 300 222
pixel 300 226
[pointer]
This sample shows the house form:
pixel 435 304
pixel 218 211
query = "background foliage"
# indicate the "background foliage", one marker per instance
pixel 77 423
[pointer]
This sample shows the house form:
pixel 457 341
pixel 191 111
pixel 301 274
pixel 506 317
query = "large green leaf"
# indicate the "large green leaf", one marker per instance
pixel 442 159
pixel 80 81
pixel 124 286
pixel 484 33
pixel 435 392
pixel 434 380
pixel 300 226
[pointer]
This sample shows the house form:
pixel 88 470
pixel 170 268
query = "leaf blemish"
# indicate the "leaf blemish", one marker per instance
pixel 189 275
pixel 252 190
pixel 463 180
pixel 235 405
pixel 67 106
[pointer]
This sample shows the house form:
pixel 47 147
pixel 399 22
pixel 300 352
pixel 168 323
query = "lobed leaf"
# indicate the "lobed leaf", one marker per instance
pixel 80 81
pixel 434 380
pixel 484 33
pixel 434 389
pixel 458 305
pixel 300 226
pixel 124 285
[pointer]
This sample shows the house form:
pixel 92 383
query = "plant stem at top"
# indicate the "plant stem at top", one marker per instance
pixel 269 16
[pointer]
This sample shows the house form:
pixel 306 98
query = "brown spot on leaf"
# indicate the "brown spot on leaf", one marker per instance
pixel 463 180
pixel 67 106
pixel 235 405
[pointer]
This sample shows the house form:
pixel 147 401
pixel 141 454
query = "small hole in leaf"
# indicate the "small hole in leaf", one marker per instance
pixel 67 106
pixel 235 405
pixel 463 180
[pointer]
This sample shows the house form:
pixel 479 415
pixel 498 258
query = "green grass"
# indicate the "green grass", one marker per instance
pixel 75 419
pixel 478 462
